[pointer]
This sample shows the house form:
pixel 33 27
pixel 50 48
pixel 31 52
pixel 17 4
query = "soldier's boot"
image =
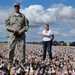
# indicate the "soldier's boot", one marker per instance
pixel 10 64
pixel 22 63
pixel 0 60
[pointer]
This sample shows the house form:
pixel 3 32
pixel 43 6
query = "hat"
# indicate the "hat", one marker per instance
pixel 17 4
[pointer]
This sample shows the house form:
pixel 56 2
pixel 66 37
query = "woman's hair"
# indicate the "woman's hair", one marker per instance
pixel 47 25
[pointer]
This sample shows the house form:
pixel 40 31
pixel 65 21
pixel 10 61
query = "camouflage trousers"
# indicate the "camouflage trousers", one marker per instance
pixel 19 45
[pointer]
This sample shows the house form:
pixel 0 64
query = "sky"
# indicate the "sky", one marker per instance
pixel 59 14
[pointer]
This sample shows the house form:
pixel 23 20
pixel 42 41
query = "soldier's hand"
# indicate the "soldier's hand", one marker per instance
pixel 14 30
pixel 20 31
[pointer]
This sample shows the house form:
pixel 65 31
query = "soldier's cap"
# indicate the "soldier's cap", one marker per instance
pixel 16 4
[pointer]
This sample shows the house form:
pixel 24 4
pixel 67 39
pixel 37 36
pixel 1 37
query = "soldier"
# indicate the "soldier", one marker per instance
pixel 16 25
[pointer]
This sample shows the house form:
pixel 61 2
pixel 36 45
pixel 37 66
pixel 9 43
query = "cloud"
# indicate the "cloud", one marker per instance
pixel 4 13
pixel 56 32
pixel 72 31
pixel 38 15
pixel 67 14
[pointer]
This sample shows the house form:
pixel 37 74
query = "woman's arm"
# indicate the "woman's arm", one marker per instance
pixel 52 37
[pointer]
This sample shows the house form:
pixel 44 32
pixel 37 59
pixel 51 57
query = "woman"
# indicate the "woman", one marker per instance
pixel 48 37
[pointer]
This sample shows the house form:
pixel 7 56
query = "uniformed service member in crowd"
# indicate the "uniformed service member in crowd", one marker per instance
pixel 16 24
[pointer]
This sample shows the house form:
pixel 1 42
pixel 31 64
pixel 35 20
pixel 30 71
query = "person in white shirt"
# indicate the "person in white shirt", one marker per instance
pixel 47 37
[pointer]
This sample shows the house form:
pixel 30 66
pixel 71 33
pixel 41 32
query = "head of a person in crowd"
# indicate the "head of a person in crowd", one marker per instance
pixel 46 26
pixel 17 7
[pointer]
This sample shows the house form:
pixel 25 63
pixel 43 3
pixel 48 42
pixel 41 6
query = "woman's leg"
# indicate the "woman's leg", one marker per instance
pixel 49 46
pixel 44 50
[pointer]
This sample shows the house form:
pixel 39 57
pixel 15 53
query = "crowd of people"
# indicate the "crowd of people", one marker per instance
pixel 63 62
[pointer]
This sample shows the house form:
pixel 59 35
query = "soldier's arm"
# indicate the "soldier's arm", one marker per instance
pixel 26 24
pixel 7 24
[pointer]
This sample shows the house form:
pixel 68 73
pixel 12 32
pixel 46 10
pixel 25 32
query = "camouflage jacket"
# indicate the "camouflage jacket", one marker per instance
pixel 17 21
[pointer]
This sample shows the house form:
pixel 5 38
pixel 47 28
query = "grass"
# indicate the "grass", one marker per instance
pixel 3 43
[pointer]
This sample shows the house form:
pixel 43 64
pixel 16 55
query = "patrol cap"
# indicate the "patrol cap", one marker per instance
pixel 16 4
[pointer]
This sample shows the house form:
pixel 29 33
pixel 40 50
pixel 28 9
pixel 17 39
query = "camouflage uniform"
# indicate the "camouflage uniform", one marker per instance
pixel 19 22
